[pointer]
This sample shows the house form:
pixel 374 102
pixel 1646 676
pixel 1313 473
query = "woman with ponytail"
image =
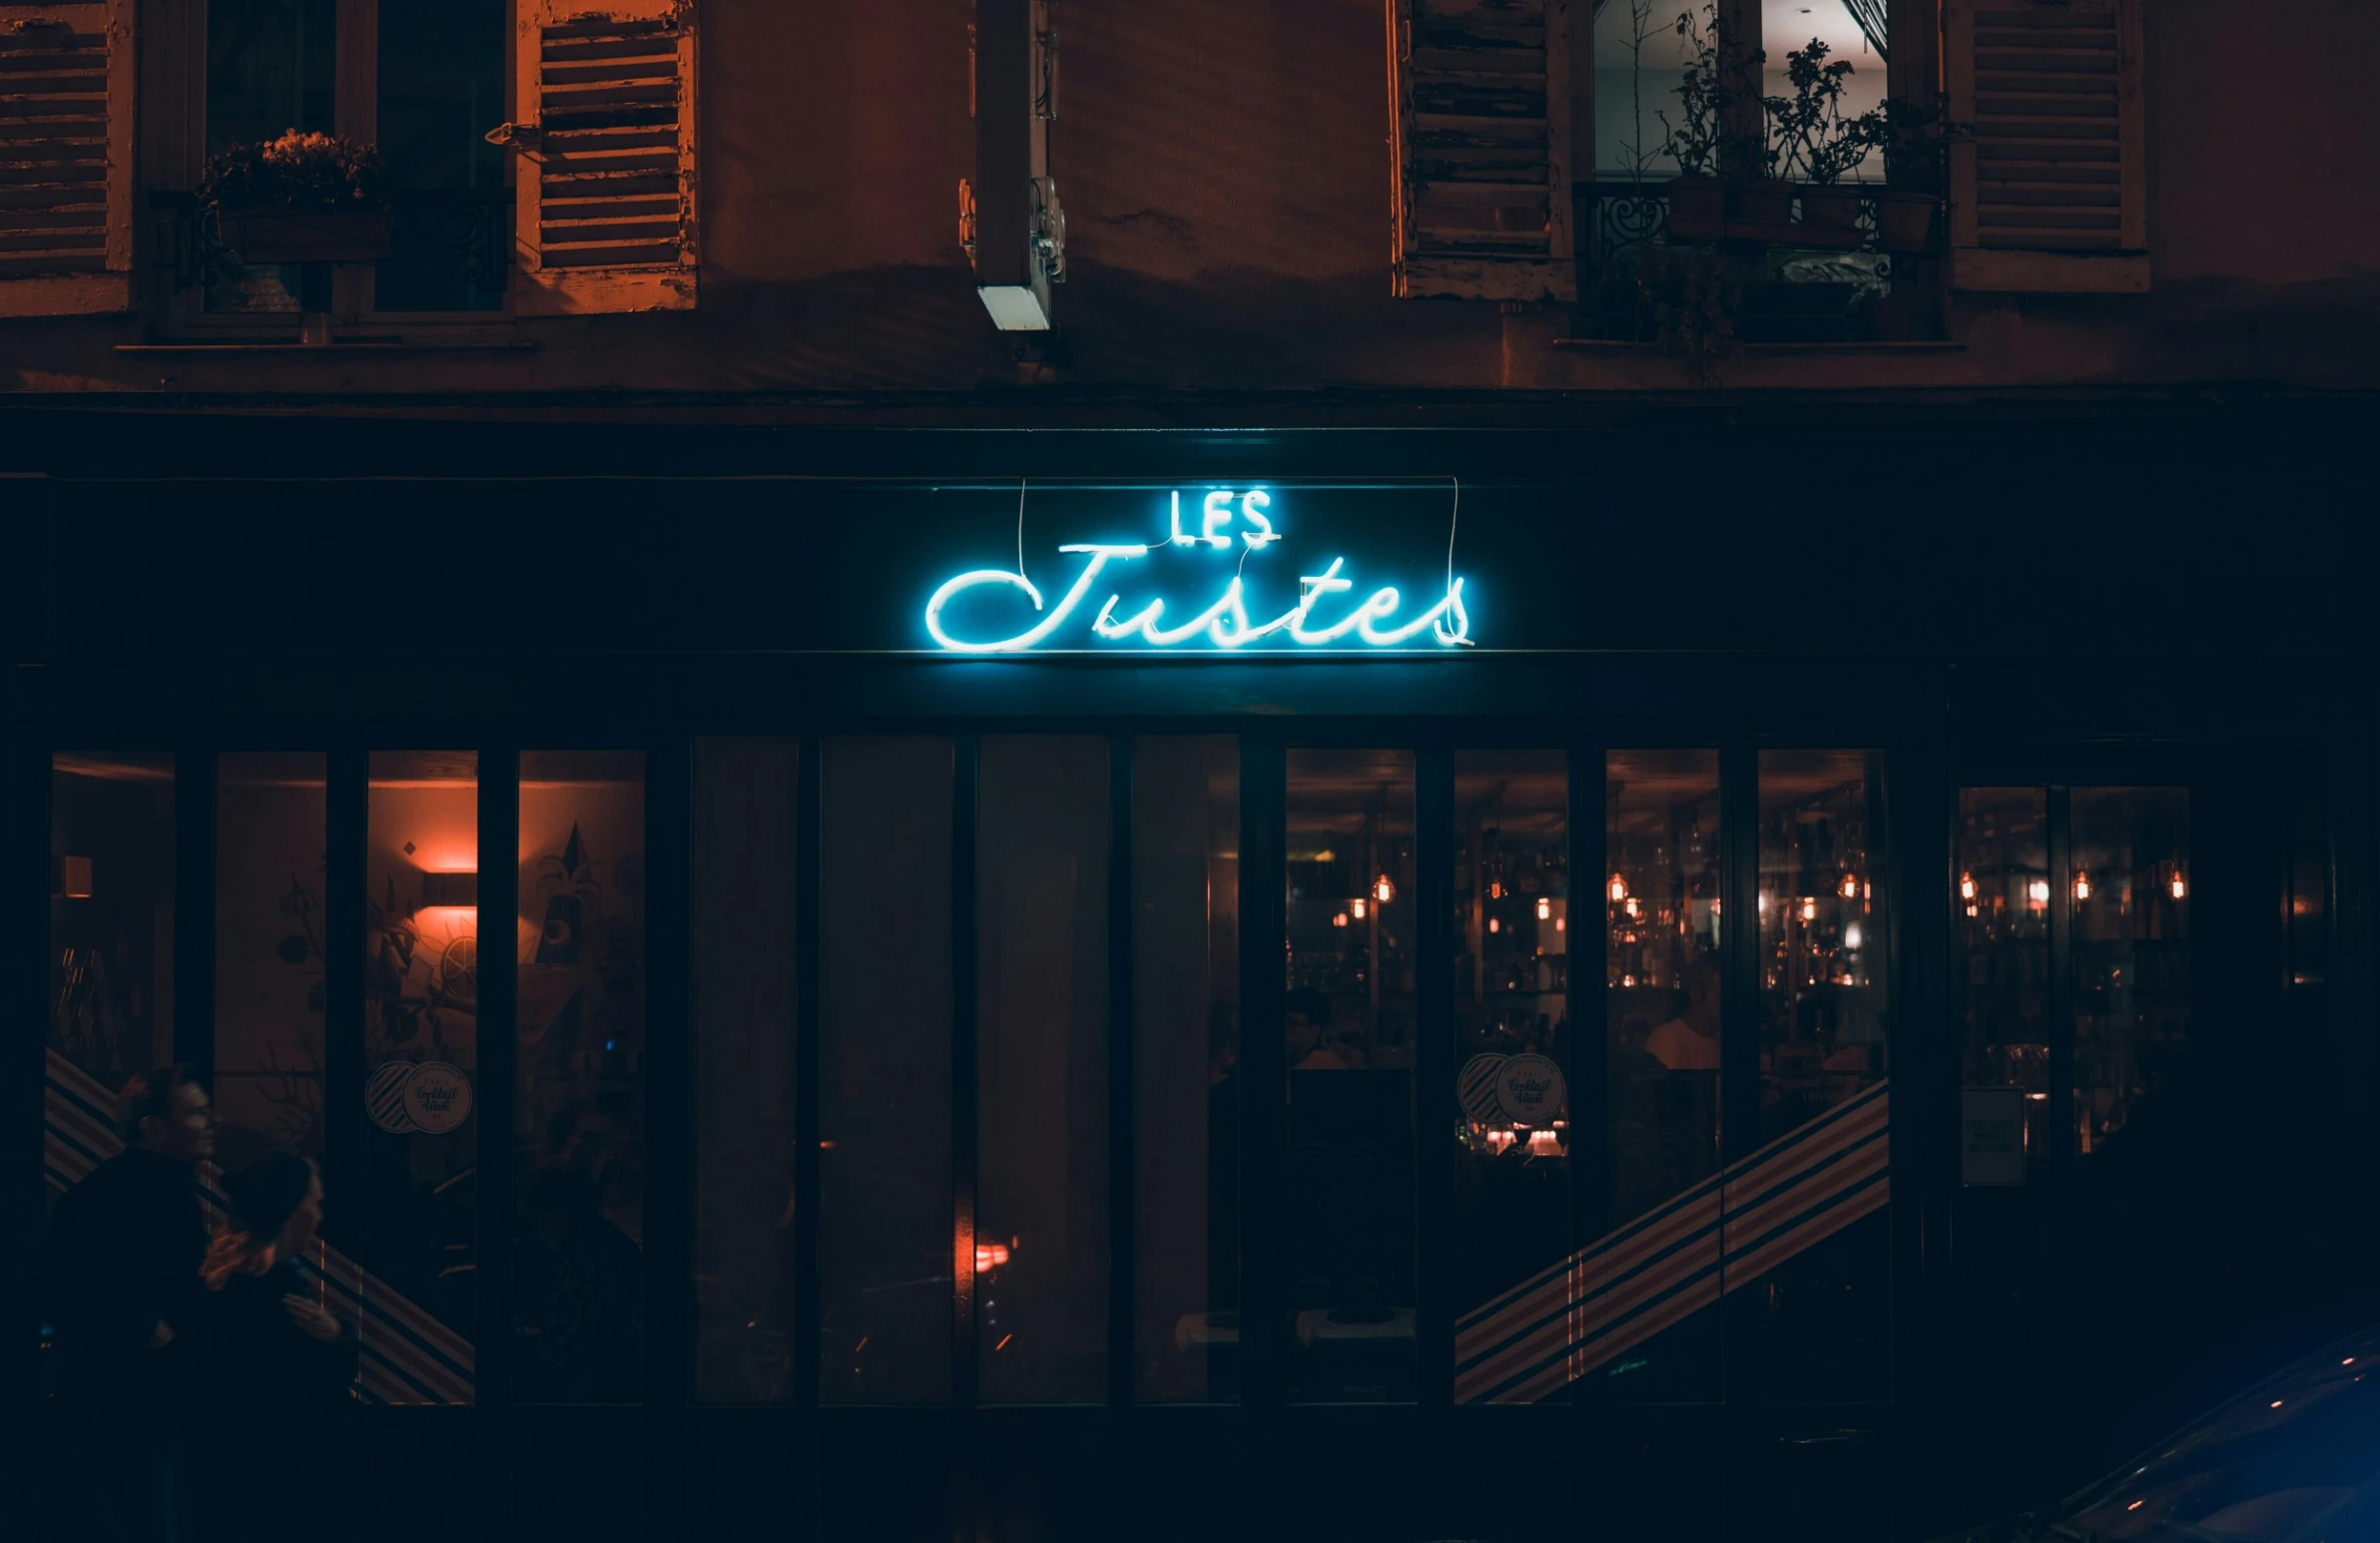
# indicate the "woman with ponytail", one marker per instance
pixel 280 1365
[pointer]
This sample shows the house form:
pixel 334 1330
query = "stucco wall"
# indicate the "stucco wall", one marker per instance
pixel 1225 170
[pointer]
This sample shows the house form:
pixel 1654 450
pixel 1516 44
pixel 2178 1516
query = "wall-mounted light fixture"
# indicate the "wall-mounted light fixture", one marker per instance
pixel 450 889
pixel 70 879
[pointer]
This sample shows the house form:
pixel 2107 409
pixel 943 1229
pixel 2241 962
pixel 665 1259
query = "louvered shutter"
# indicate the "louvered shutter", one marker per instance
pixel 66 157
pixel 605 190
pixel 1482 124
pixel 2049 192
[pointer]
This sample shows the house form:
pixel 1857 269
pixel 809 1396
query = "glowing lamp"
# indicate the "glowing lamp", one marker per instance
pixel 1339 920
pixel 1809 910
pixel 459 891
pixel 2082 886
pixel 1356 907
pixel 70 879
pixel 1850 890
pixel 1545 909
pixel 1382 890
pixel 1966 886
pixel 1494 925
pixel 1619 890
pixel 2177 888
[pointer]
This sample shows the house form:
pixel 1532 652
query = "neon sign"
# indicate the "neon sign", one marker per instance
pixel 1229 526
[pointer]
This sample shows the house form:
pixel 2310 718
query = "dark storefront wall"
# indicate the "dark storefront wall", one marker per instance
pixel 544 627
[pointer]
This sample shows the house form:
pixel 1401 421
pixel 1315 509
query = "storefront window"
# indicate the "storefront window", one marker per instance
pixel 2000 916
pixel 1511 1110
pixel 579 1121
pixel 744 861
pixel 1351 1025
pixel 1042 1012
pixel 418 1233
pixel 885 1213
pixel 2131 891
pixel 1807 1231
pixel 271 813
pixel 1186 1083
pixel 112 915
pixel 1657 1271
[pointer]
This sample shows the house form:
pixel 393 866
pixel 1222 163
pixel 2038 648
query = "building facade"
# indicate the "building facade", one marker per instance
pixel 1120 675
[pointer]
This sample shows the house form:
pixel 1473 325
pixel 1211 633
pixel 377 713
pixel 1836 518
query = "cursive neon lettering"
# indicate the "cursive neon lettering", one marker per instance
pixel 1376 621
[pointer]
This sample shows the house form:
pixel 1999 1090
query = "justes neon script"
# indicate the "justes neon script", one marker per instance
pixel 995 611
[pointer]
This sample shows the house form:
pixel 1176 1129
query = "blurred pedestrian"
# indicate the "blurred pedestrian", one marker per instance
pixel 278 1365
pixel 120 1267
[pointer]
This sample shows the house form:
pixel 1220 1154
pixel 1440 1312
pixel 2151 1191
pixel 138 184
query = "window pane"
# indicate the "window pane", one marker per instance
pixel 1511 1041
pixel 270 66
pixel 579 1129
pixel 441 87
pixel 270 829
pixel 111 914
pixel 2132 897
pixel 1821 945
pixel 1824 1283
pixel 1185 1014
pixel 745 860
pixel 1661 917
pixel 1042 1182
pixel 419 1229
pixel 1350 1050
pixel 2001 919
pixel 885 1213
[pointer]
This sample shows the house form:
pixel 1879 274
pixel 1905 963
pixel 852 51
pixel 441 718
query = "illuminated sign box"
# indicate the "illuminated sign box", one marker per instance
pixel 1218 570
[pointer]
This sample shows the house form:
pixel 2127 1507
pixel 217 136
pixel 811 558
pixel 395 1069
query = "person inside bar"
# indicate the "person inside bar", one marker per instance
pixel 1313 1046
pixel 1689 1042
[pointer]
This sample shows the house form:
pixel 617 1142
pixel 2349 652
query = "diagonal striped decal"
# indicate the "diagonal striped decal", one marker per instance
pixel 408 1357
pixel 1679 1258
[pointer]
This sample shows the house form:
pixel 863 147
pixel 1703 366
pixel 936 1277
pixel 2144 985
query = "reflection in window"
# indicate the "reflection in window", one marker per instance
pixel 270 66
pixel 419 1229
pixel 270 814
pixel 744 871
pixel 441 87
pixel 1825 1309
pixel 885 1213
pixel 1186 1084
pixel 112 913
pixel 579 1126
pixel 1350 1025
pixel 1661 917
pixel 2131 907
pixel 1511 1018
pixel 2000 916
pixel 1042 1182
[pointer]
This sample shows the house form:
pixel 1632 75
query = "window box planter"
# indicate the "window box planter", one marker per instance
pixel 1834 205
pixel 306 236
pixel 1764 201
pixel 1905 220
pixel 1697 209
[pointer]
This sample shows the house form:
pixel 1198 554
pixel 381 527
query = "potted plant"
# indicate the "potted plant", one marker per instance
pixel 1917 139
pixel 1697 196
pixel 303 197
pixel 1685 305
pixel 1816 142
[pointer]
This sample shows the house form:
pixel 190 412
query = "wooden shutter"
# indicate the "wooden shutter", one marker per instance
pixel 605 190
pixel 2049 192
pixel 1481 119
pixel 66 157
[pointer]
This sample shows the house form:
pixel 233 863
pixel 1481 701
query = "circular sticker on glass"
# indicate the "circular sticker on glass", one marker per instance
pixel 438 1097
pixel 1531 1090
pixel 1474 1087
pixel 384 1097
